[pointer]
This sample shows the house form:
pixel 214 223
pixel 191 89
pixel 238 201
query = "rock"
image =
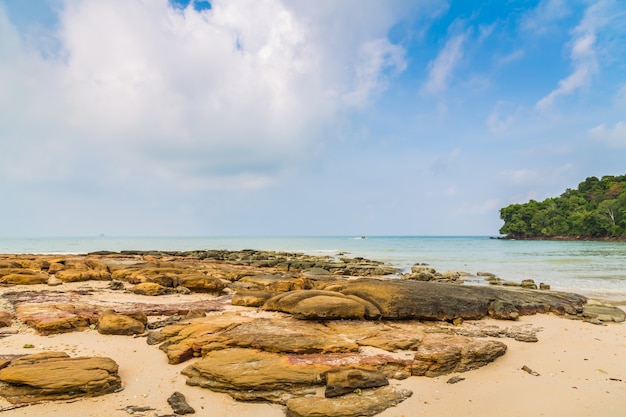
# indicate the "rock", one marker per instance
pixel 284 335
pixel 251 298
pixel 202 283
pixel 24 278
pixel 6 318
pixel 543 286
pixel 116 285
pixel 48 318
pixel 344 381
pixel 595 310
pixel 52 376
pixel 54 281
pixel 111 322
pixel 253 375
pixel 455 379
pixel 179 404
pixel 502 310
pixel 365 403
pixel 440 354
pixel 78 275
pixel 529 284
pixel 407 299
pixel 184 341
pixel 150 289
pixel 319 304
pixel 273 283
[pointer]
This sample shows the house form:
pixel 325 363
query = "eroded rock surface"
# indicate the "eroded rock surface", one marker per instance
pixel 364 403
pixel 56 376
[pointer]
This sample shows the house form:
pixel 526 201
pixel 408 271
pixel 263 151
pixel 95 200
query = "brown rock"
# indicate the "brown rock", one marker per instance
pixel 251 298
pixel 252 375
pixel 366 403
pixel 344 381
pixel 56 376
pixel 150 289
pixel 203 283
pixel 284 335
pixel 48 318
pixel 320 304
pixel 111 322
pixel 5 318
pixel 179 404
pixel 24 278
pixel 440 354
pixel 78 275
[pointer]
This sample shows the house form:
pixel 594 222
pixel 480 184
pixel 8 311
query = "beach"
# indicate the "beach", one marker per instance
pixel 574 369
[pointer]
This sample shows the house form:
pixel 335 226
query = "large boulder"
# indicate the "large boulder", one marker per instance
pixel 321 304
pixel 407 299
pixel 55 376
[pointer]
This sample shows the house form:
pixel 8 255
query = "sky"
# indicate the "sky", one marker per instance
pixel 298 117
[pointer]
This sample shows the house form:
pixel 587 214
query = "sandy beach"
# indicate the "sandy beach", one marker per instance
pixel 580 366
pixel 576 368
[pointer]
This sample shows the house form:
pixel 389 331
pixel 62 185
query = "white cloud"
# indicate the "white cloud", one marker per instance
pixel 503 116
pixel 440 69
pixel 582 55
pixel 612 137
pixel 140 92
pixel 541 19
pixel 512 57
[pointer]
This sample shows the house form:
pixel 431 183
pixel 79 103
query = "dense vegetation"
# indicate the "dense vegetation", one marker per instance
pixel 596 210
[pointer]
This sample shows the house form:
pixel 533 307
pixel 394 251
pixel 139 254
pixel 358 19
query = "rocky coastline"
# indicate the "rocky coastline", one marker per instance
pixel 314 335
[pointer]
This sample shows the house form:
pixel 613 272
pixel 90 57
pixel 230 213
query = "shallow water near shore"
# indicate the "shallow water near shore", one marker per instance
pixel 595 269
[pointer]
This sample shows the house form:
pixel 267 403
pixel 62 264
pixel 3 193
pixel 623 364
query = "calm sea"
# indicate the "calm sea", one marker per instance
pixel 596 269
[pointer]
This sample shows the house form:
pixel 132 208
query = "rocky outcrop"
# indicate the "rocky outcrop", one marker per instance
pixel 296 326
pixel 406 299
pixel 56 376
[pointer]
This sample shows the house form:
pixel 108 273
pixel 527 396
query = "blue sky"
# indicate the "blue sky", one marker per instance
pixel 270 117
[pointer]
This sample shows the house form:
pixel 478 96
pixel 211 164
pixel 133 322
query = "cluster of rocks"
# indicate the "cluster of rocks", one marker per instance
pixel 271 326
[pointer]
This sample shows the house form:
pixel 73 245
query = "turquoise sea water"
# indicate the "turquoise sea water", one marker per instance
pixel 596 269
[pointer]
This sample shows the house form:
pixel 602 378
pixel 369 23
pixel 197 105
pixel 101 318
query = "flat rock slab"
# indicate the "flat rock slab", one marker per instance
pixel 365 403
pixel 603 312
pixel 56 376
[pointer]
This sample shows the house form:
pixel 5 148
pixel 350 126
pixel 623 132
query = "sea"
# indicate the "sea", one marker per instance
pixel 594 269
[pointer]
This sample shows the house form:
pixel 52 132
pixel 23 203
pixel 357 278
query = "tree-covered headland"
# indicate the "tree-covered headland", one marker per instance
pixel 595 210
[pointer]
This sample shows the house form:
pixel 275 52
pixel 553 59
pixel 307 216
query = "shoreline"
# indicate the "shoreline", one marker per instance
pixel 580 365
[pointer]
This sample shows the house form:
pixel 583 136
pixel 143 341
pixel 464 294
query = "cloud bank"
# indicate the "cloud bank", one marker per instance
pixel 232 96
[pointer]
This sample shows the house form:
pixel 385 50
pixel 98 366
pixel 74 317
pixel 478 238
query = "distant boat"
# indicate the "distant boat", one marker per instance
pixel 363 237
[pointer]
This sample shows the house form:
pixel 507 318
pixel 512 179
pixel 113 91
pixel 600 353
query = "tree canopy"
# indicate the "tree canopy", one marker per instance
pixel 596 210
